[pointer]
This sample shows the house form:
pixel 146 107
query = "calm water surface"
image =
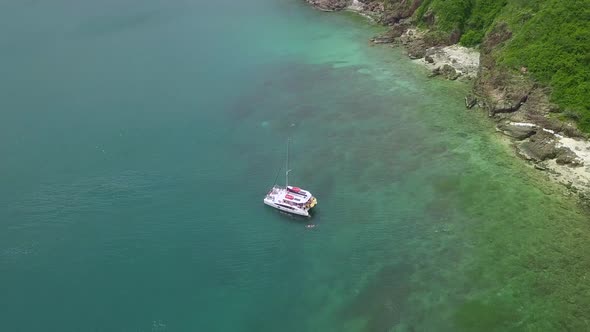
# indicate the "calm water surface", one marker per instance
pixel 139 137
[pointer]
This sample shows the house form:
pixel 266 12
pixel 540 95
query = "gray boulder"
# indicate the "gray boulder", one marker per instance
pixel 518 132
pixel 541 146
pixel 447 71
pixel 328 5
pixel 565 156
pixel 416 49
pixel 470 101
pixel 508 106
pixel 383 39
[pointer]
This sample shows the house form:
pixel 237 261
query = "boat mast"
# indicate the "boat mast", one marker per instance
pixel 287 165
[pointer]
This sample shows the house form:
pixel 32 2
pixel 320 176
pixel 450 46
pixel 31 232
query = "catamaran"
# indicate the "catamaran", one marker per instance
pixel 290 199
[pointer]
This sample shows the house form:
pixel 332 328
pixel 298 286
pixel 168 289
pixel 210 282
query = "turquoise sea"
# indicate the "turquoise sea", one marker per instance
pixel 138 138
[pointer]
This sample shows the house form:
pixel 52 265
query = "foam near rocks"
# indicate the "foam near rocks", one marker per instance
pixel 356 5
pixel 523 124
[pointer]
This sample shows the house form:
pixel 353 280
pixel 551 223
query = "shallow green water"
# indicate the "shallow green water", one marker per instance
pixel 139 137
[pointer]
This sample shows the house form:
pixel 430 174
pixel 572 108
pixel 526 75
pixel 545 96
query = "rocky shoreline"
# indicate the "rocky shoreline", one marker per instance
pixel 519 106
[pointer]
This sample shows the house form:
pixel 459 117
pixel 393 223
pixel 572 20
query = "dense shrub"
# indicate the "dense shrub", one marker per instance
pixel 481 18
pixel 555 47
pixel 551 38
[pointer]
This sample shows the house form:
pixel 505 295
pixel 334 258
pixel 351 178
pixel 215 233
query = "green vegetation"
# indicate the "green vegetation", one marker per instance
pixel 481 19
pixel 451 15
pixel 551 38
pixel 555 47
pixel 471 17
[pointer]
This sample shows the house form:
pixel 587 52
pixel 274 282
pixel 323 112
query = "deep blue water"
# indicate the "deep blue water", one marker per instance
pixel 138 139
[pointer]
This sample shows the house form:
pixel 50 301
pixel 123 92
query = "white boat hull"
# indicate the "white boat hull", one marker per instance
pixel 292 200
pixel 292 210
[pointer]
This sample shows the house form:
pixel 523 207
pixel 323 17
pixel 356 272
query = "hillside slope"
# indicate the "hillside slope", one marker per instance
pixel 533 49
pixel 549 40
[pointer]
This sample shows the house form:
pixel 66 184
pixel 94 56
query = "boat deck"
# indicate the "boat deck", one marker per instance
pixel 296 198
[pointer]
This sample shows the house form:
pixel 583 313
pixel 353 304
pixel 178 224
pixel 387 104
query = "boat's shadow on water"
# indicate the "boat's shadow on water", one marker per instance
pixel 296 219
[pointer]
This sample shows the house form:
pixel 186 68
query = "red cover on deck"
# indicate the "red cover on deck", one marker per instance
pixel 289 197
